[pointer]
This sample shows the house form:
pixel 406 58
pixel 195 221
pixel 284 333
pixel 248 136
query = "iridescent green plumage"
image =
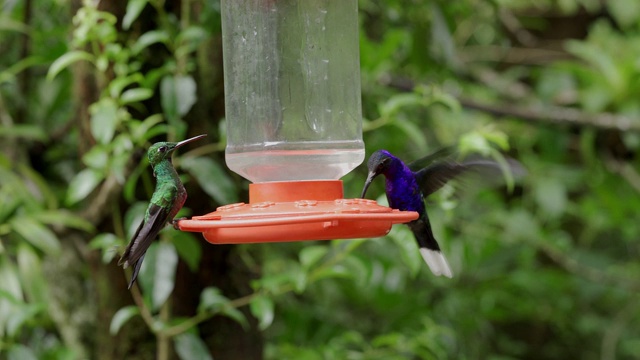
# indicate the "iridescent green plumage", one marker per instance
pixel 168 198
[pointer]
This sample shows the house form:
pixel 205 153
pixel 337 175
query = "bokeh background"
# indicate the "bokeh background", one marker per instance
pixel 546 270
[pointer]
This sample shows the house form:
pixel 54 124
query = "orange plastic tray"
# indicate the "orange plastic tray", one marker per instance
pixel 296 211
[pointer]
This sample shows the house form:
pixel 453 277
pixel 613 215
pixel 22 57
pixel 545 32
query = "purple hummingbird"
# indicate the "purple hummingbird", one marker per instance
pixel 407 185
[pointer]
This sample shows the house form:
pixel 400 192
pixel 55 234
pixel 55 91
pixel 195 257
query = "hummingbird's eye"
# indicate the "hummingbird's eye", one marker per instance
pixel 162 149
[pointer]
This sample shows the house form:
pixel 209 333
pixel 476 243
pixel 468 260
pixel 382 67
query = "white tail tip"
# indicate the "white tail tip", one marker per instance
pixel 437 262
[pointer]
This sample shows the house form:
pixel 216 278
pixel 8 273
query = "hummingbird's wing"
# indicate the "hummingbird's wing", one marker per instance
pixel 435 176
pixel 156 218
pixel 146 233
pixel 423 162
pixel 432 178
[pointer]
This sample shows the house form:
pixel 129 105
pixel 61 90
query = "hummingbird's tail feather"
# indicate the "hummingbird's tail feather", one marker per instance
pixel 437 262
pixel 136 270
pixel 429 248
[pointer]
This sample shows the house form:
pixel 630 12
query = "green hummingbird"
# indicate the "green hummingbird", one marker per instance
pixel 167 200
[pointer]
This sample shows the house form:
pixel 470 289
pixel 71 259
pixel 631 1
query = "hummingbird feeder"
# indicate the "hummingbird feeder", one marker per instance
pixel 294 125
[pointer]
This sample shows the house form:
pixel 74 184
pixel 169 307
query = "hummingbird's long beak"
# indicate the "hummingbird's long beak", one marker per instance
pixel 183 142
pixel 372 175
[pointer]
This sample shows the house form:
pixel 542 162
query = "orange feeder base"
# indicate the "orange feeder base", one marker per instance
pixel 296 211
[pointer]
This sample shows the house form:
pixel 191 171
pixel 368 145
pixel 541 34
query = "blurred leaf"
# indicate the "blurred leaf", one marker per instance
pixel 480 142
pixel 350 245
pixel 236 315
pixel 272 283
pixel 38 185
pixel 357 268
pixel 31 275
pixel 66 60
pixel 262 308
pixel 166 261
pixel 211 299
pixel 134 8
pixel 625 12
pixel 22 314
pixel 131 185
pixel 64 218
pixel 498 138
pixel 134 217
pixel 82 185
pixel 104 120
pixel 189 346
pixel 474 142
pixel 434 94
pixel 23 131
pixel 413 132
pixel 10 285
pixel 409 253
pixel 213 179
pixel 157 274
pixel 97 157
pixel 310 255
pixel 335 271
pixel 398 102
pixel 121 317
pixel 122 146
pixel 21 352
pixel 442 41
pixel 380 55
pixel 192 34
pixel 551 196
pixel 135 95
pixel 107 243
pixel 600 60
pixel 143 130
pixel 150 38
pixel 300 280
pixel 521 225
pixel 178 94
pixel 188 248
pixel 9 24
pixel 37 234
pixel 117 85
pixel 189 39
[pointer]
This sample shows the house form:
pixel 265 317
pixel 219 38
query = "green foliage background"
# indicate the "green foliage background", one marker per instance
pixel 546 271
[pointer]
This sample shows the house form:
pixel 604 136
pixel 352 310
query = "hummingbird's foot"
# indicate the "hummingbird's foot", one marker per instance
pixel 174 222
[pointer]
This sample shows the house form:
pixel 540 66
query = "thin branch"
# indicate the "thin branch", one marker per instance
pixel 144 310
pixel 163 341
pixel 512 55
pixel 614 331
pixel 507 88
pixel 204 316
pixel 99 206
pixel 555 115
pixel 514 26
pixel 587 272
pixel 625 170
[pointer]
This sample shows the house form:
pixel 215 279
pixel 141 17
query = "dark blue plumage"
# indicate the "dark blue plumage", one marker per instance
pixel 406 186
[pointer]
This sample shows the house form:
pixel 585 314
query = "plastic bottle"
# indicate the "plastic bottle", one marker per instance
pixel 292 88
